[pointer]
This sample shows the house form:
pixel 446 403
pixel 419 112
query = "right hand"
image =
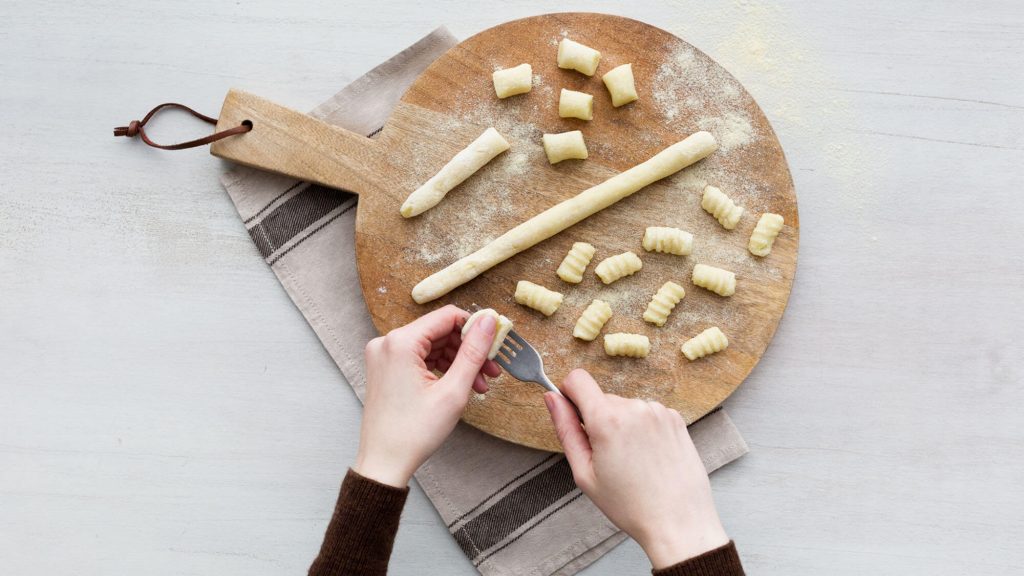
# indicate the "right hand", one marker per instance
pixel 636 462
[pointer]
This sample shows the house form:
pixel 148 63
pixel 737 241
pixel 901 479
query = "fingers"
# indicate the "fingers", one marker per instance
pixel 572 437
pixel 436 325
pixel 480 385
pixel 491 369
pixel 472 354
pixel 583 390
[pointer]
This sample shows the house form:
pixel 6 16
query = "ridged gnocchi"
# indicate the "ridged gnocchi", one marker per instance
pixel 575 262
pixel 707 342
pixel 537 297
pixel 716 203
pixel 502 327
pixel 719 281
pixel 668 240
pixel 663 302
pixel 763 236
pixel 592 320
pixel 619 266
pixel 624 344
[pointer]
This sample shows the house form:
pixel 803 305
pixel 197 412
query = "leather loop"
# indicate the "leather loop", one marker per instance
pixel 136 127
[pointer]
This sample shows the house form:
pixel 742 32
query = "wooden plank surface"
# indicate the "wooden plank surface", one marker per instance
pixel 164 410
pixel 682 91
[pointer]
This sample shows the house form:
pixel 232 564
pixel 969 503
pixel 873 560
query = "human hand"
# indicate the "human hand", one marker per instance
pixel 409 410
pixel 636 461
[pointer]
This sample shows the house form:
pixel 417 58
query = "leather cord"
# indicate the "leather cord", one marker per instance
pixel 137 127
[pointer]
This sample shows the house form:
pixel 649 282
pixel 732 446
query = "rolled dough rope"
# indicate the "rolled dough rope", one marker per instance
pixel 565 214
pixel 462 166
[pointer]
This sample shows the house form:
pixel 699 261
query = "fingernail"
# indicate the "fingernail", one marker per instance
pixel 549 401
pixel 487 324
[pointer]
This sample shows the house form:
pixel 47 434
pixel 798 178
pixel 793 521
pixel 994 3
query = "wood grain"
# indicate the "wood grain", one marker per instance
pixel 453 102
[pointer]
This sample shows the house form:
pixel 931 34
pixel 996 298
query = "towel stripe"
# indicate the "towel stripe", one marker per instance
pixel 516 509
pixel 295 215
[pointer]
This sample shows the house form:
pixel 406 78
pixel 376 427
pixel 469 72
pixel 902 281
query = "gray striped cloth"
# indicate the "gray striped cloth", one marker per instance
pixel 512 510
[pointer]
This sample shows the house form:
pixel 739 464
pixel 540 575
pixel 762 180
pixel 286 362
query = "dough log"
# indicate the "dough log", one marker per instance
pixel 462 166
pixel 565 214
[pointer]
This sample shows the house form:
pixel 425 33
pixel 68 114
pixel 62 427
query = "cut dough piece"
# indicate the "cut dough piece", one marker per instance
pixel 537 297
pixel 462 166
pixel 512 81
pixel 565 146
pixel 668 240
pixel 707 342
pixel 716 203
pixel 619 81
pixel 576 56
pixel 502 326
pixel 763 237
pixel 592 320
pixel 663 302
pixel 623 344
pixel 572 104
pixel 619 266
pixel 719 281
pixel 565 214
pixel 575 262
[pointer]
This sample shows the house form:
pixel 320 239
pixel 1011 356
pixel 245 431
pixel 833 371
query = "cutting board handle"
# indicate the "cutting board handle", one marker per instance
pixel 288 142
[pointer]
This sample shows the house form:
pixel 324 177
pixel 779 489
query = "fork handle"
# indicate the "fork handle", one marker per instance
pixel 547 383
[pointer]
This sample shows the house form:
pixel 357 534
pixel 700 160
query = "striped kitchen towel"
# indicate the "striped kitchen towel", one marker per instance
pixel 512 510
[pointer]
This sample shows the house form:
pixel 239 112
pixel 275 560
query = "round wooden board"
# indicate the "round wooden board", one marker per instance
pixel 681 91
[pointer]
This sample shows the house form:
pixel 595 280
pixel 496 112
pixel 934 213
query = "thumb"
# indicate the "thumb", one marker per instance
pixel 472 353
pixel 571 435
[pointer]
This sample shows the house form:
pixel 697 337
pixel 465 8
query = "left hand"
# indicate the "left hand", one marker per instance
pixel 409 410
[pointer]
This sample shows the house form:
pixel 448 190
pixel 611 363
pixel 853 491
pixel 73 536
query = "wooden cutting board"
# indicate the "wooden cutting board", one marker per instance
pixel 681 91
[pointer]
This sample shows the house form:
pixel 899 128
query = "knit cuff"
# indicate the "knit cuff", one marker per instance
pixel 722 561
pixel 362 530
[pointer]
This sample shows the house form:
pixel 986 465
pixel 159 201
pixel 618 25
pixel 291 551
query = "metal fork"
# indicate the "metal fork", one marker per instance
pixel 517 357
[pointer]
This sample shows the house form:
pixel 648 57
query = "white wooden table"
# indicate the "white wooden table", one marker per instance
pixel 165 410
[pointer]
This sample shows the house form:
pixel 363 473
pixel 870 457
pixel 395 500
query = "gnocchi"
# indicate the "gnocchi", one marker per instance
pixel 502 326
pixel 512 81
pixel 663 302
pixel 716 203
pixel 575 56
pixel 592 320
pixel 668 240
pixel 575 262
pixel 573 104
pixel 537 297
pixel 623 344
pixel 719 281
pixel 565 146
pixel 764 234
pixel 707 342
pixel 619 266
pixel 620 84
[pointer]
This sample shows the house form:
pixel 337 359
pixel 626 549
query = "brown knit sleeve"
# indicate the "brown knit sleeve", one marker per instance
pixel 362 530
pixel 722 561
